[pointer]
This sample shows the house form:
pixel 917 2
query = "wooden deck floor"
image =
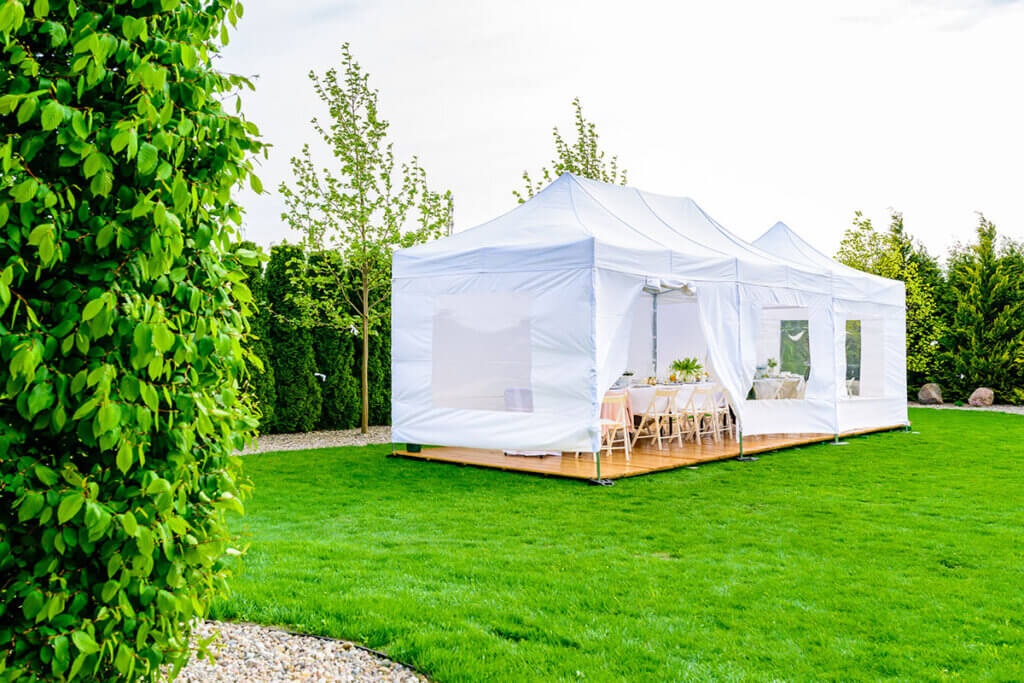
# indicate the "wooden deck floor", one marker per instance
pixel 644 459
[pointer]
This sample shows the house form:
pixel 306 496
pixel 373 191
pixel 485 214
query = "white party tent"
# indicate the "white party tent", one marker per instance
pixel 508 335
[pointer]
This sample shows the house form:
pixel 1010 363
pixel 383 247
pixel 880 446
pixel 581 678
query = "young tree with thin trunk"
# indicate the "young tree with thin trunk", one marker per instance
pixel 364 208
pixel 584 158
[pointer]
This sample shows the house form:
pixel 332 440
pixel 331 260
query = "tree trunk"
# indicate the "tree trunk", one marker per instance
pixel 365 424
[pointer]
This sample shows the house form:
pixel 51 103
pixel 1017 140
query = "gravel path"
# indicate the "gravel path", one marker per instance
pixel 323 439
pixel 998 408
pixel 257 654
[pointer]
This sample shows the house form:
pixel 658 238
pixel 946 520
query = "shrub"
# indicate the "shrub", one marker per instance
pixel 121 321
pixel 298 400
pixel 336 358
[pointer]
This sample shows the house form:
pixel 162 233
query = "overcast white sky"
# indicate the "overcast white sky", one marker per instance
pixel 793 110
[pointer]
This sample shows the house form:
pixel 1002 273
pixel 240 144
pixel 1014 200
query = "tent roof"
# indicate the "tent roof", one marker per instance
pixel 577 222
pixel 784 242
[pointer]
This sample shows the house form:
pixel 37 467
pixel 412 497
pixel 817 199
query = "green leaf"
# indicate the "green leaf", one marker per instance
pixel 40 8
pixel 162 338
pixel 69 506
pixel 32 604
pixel 46 475
pixel 188 56
pixel 255 184
pixel 119 142
pixel 85 643
pixel 105 236
pixel 25 190
pixel 109 590
pixel 102 183
pixel 92 309
pixel 93 163
pixel 108 416
pixel 53 114
pixel 30 506
pixel 129 524
pixel 39 398
pixel 166 603
pixel 27 109
pixel 76 666
pixel 147 158
pixel 61 655
pixel 124 457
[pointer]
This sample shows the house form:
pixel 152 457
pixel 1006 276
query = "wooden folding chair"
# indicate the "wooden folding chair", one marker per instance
pixel 616 423
pixel 661 412
pixel 702 414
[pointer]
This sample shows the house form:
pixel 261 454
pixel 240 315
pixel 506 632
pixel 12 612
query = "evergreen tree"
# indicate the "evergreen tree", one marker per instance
pixel 380 374
pixel 984 346
pixel 261 371
pixel 336 357
pixel 298 400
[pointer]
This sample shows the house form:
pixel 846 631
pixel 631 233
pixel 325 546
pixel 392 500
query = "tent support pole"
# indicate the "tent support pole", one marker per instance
pixel 741 457
pixel 598 481
pixel 654 334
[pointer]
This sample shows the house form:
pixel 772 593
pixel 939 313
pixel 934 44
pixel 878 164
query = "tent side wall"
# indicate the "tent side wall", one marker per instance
pixel 503 360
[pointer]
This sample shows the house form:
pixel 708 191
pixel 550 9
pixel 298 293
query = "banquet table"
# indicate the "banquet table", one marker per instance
pixel 777 387
pixel 640 395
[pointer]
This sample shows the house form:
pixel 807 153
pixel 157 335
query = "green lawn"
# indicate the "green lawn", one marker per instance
pixel 898 556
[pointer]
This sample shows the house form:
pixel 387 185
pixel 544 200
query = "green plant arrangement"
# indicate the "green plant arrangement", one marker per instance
pixel 687 369
pixel 123 310
pixel 771 363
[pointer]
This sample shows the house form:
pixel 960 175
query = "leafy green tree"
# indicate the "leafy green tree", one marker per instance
pixel 122 318
pixel 298 398
pixel 894 254
pixel 984 345
pixel 364 209
pixel 260 381
pixel 584 158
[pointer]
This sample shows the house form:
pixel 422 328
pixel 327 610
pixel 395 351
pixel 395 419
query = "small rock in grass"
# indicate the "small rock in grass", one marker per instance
pixel 930 394
pixel 982 396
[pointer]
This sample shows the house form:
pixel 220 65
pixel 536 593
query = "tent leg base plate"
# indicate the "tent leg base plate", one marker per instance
pixel 840 443
pixel 746 458
pixel 601 482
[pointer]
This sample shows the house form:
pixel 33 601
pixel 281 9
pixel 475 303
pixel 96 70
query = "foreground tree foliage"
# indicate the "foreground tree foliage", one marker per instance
pixel 121 317
pixel 584 158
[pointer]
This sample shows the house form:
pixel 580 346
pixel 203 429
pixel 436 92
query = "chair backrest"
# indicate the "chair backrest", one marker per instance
pixel 615 407
pixel 704 398
pixel 663 401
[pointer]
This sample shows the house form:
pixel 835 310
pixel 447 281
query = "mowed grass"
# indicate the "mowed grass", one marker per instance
pixel 899 556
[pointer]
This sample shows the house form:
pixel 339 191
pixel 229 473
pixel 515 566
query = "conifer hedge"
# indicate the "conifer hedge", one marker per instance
pixel 298 397
pixel 121 322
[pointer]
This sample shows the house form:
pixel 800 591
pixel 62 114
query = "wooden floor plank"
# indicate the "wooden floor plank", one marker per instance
pixel 645 458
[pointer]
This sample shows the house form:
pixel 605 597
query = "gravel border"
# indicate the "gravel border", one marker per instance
pixel 997 408
pixel 263 654
pixel 269 443
pixel 322 439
